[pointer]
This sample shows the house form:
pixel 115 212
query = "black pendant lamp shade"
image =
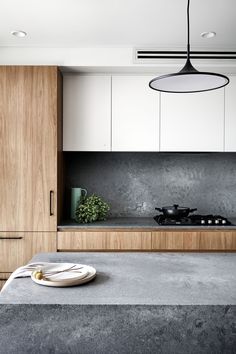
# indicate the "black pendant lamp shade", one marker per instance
pixel 188 79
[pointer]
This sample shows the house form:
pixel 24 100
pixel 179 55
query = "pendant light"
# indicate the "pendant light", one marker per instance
pixel 188 79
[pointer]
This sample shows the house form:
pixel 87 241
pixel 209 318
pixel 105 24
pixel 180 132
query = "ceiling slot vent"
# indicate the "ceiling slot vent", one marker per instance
pixel 145 55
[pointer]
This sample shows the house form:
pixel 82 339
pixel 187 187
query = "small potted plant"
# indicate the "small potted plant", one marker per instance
pixel 91 209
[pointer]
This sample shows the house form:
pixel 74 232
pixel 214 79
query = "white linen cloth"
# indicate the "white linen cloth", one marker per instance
pixel 26 271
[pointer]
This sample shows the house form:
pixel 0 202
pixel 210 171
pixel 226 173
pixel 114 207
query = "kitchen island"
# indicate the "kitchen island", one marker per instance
pixel 138 303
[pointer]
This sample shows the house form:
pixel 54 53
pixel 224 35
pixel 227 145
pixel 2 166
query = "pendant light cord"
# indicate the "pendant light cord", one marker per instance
pixel 188 33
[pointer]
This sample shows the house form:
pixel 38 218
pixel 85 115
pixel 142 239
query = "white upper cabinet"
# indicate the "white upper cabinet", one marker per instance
pixel 121 113
pixel 86 113
pixel 230 115
pixel 135 114
pixel 192 122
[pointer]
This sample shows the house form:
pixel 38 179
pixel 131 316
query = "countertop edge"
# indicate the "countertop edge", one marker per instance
pixel 144 224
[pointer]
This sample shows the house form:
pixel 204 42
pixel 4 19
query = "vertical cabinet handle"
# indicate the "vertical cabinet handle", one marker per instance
pixel 51 203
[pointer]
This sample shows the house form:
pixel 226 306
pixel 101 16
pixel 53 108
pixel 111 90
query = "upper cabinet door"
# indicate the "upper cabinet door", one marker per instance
pixel 135 114
pixel 230 115
pixel 28 138
pixel 193 121
pixel 86 113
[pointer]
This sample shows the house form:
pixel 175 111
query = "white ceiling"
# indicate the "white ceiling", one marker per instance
pixel 118 23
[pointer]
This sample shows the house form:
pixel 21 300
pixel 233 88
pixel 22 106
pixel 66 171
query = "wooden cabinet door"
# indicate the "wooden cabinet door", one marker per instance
pixel 194 240
pixel 230 115
pixel 28 140
pixel 104 241
pixel 17 248
pixel 3 279
pixel 192 121
pixel 86 113
pixel 135 114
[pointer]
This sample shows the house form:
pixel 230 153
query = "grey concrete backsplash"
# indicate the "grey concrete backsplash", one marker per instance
pixel 135 183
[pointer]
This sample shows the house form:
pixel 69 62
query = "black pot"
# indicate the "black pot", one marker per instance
pixel 175 211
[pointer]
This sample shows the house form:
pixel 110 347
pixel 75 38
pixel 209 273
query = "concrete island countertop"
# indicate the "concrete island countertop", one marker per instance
pixel 136 223
pixel 132 278
pixel 170 303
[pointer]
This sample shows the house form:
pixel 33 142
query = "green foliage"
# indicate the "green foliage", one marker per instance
pixel 91 209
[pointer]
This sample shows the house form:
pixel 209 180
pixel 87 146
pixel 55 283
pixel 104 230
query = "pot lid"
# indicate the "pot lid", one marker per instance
pixel 175 207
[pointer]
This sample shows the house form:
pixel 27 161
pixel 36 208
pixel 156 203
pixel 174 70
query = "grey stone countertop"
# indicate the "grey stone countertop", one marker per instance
pixel 136 279
pixel 136 223
pixel 75 329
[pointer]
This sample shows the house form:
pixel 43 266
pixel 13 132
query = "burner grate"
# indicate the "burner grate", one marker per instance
pixel 193 220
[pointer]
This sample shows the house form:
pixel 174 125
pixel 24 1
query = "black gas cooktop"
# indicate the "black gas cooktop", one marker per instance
pixel 193 220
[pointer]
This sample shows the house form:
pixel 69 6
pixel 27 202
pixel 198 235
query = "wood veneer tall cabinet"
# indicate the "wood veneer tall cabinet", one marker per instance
pixel 30 142
pixel 29 148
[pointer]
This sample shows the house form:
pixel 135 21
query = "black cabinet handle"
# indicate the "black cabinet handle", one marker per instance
pixel 11 237
pixel 51 203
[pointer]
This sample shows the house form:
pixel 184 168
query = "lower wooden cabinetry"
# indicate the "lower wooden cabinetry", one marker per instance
pixel 17 248
pixel 3 278
pixel 102 241
pixel 194 241
pixel 147 241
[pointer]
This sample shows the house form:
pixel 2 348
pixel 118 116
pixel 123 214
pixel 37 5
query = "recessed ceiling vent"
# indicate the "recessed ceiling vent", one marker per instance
pixel 152 55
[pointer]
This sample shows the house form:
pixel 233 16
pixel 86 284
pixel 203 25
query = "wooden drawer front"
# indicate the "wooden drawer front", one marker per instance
pixel 199 241
pixel 17 248
pixel 3 279
pixel 104 241
pixel 218 240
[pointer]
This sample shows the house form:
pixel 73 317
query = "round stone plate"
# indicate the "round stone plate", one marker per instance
pixel 79 274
